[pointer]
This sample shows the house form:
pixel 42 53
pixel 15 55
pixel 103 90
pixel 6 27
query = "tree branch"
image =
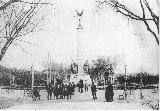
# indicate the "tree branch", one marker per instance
pixel 38 3
pixel 26 42
pixel 153 15
pixel 19 46
pixel 19 22
pixel 5 5
pixel 120 8
pixel 148 28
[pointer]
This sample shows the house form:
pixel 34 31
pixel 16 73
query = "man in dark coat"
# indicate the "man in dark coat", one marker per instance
pixel 69 89
pixel 93 90
pixel 36 94
pixel 61 91
pixel 49 91
pixel 73 87
pixel 81 86
pixel 65 91
pixel 109 93
pixel 86 86
pixel 56 91
pixel 78 85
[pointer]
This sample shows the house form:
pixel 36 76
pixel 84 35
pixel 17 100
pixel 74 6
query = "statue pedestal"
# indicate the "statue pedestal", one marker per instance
pixel 81 75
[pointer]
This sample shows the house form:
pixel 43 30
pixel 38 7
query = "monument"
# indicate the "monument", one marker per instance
pixel 80 66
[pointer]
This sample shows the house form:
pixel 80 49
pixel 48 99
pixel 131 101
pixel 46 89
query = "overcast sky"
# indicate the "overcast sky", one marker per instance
pixel 105 33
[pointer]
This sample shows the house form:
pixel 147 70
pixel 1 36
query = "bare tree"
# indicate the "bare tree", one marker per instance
pixel 57 70
pixel 19 19
pixel 4 4
pixel 145 6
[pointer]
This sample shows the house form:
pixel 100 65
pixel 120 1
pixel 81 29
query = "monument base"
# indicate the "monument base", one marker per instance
pixel 80 76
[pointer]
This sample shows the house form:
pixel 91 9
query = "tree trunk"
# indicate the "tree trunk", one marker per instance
pixel 3 7
pixel 4 49
pixel 105 78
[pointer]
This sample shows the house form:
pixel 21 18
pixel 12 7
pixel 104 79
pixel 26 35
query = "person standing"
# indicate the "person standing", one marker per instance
pixel 109 93
pixel 65 91
pixel 81 86
pixel 69 89
pixel 93 90
pixel 73 88
pixel 78 85
pixel 86 86
pixel 49 91
pixel 61 91
pixel 56 91
pixel 36 94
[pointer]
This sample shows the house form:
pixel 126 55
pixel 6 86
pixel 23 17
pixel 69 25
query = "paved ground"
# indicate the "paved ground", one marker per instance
pixel 83 101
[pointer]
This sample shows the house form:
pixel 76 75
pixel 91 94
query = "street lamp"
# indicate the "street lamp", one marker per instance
pixel 141 95
pixel 32 72
pixel 125 67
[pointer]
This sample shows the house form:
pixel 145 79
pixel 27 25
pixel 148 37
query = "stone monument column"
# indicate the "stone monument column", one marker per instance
pixel 81 74
pixel 79 48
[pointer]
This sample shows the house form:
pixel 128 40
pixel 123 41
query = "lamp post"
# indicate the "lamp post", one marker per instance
pixel 32 72
pixel 141 95
pixel 125 67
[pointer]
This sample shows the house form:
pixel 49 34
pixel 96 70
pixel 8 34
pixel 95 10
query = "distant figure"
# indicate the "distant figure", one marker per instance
pixel 49 91
pixel 12 87
pixel 78 85
pixel 93 90
pixel 65 91
pixel 109 93
pixel 81 86
pixel 86 86
pixel 73 88
pixel 69 89
pixel 61 91
pixel 36 94
pixel 57 90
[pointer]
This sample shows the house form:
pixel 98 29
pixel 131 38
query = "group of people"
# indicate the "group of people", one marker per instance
pixel 82 85
pixel 108 92
pixel 62 91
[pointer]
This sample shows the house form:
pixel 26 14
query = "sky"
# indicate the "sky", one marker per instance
pixel 105 33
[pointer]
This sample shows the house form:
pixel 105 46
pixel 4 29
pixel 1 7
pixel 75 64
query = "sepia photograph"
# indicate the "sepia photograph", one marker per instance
pixel 79 54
